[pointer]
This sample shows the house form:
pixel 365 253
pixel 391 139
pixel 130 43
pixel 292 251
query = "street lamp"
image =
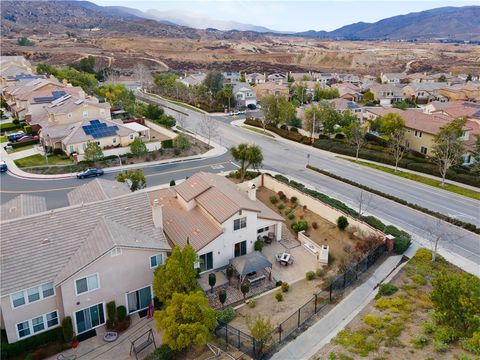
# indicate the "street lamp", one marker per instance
pixel 308 159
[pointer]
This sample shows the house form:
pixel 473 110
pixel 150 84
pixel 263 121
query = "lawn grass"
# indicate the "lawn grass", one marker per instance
pixel 39 160
pixel 259 131
pixel 3 139
pixel 422 179
pixel 187 106
pixel 22 148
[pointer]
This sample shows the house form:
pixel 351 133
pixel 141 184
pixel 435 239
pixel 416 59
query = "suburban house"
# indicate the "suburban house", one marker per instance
pixel 459 109
pixel 244 95
pixel 231 78
pixel 96 190
pixel 22 205
pixel 79 258
pixel 270 88
pixel 325 78
pixel 393 78
pixel 423 92
pixel 193 79
pixel 348 91
pixel 219 219
pixel 310 87
pixel 386 94
pixel 421 78
pixel 256 78
pixel 278 78
pixel 301 76
pixel 349 79
pixel 467 91
pixel 342 105
pixel 13 66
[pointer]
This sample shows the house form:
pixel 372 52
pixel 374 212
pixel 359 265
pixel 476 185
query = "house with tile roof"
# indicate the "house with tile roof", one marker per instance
pixel 386 94
pixel 244 95
pixel 271 88
pixel 424 92
pixel 393 78
pixel 76 260
pixel 216 217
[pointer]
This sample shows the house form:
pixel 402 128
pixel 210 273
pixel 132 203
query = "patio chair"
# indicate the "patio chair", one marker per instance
pixel 278 257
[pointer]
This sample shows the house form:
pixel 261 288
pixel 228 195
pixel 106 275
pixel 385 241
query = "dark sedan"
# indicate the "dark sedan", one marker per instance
pixel 89 173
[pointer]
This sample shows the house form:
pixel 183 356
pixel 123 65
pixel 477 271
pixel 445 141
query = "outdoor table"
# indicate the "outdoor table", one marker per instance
pixel 285 258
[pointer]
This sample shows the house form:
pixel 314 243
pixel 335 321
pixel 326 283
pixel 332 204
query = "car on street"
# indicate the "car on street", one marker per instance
pixel 89 173
pixel 15 136
pixel 3 167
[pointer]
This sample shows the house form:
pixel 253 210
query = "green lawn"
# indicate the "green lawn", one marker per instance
pixel 422 179
pixel 39 160
pixel 26 147
pixel 260 131
pixel 3 139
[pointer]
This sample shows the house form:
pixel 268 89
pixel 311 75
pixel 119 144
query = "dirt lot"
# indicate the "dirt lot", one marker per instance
pixel 388 327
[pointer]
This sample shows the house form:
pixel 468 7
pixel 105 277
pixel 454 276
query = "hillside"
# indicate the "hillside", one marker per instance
pixel 453 23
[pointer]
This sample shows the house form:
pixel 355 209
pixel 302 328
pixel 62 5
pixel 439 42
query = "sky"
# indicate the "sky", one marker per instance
pixel 291 15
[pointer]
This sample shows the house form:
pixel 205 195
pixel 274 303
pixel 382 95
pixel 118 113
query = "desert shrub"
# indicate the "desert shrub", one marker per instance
pixel 293 199
pixel 121 313
pixel 472 344
pixel 226 315
pixel 291 216
pixel 281 195
pixel 356 342
pixel 342 222
pixel 285 287
pixel 301 225
pixel 278 283
pixel 387 289
pixel 164 352
pixel 373 320
pixel 419 279
pixel 440 346
pixel 252 303
pixel 429 327
pixel 310 275
pixel 420 341
pixel 314 225
pixel 393 304
pixel 280 206
pixel 258 245
pixel 401 244
pixel 446 334
pixel 273 199
pixel 279 296
pixel 319 272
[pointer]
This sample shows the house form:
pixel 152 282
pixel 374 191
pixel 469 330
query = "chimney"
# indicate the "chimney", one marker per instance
pixel 157 214
pixel 252 191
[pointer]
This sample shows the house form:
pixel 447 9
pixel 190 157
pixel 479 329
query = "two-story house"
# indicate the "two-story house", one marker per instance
pixel 245 96
pixel 231 77
pixel 423 92
pixel 348 91
pixel 79 258
pixel 256 78
pixel 216 217
pixel 387 94
pixel 272 88
pixel 393 78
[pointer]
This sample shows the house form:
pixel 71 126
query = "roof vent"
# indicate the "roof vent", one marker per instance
pixel 12 209
pixel 45 241
pixel 126 208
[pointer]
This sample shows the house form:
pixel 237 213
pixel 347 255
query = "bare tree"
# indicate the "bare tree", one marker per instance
pixel 355 134
pixel 142 75
pixel 181 120
pixel 364 201
pixel 440 232
pixel 209 127
pixel 397 145
pixel 113 77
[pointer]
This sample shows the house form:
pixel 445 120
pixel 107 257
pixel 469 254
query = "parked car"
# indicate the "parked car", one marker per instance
pixel 13 137
pixel 27 138
pixel 3 167
pixel 89 173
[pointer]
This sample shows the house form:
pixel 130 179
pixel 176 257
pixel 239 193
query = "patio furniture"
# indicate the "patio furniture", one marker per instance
pixel 137 348
pixel 285 259
pixel 249 263
pixel 66 357
pixel 110 336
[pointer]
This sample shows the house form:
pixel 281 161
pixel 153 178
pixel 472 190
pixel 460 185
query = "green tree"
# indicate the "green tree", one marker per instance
pixel 225 96
pixel 177 275
pixel 47 69
pixel 93 151
pixel 261 330
pixel 86 64
pixel 152 111
pixel 476 164
pixel 134 178
pixel 213 82
pixel 138 147
pixel 212 280
pixel 320 93
pixel 393 127
pixel 270 110
pixel 245 288
pixel 181 142
pixel 312 119
pixel 24 41
pixel 86 81
pixel 368 97
pixel 286 110
pixel 242 77
pixel 355 134
pixel 448 146
pixel 469 78
pixel 117 95
pixel 442 78
pixel 166 81
pixel 248 156
pixel 187 321
pixel 456 299
pixel 331 119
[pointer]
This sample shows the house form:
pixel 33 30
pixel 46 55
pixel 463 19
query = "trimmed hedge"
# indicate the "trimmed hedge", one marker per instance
pixel 292 134
pixel 401 244
pixel 456 222
pixel 31 343
pixel 167 144
pixel 9 127
pixel 17 145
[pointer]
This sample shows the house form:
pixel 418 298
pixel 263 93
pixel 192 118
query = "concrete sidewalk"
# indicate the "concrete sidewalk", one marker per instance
pixel 318 335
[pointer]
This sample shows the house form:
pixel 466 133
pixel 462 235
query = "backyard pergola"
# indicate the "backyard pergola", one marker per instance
pixel 251 263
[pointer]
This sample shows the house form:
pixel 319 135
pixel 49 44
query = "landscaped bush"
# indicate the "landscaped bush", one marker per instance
pixel 281 206
pixel 258 245
pixel 252 303
pixel 226 315
pixel 31 343
pixel 278 283
pixel 17 145
pixel 419 279
pixel 392 230
pixel 281 195
pixel 374 222
pixel 342 222
pixel 373 320
pixel 288 210
pixel 420 341
pixel 111 314
pixel 314 225
pixel 293 200
pixel 401 244
pixel 291 216
pixel 172 182
pixel 285 287
pixel 273 199
pixel 67 328
pixel 7 127
pixel 310 275
pixel 167 144
pixel 301 225
pixel 121 313
pixel 387 289
pixel 164 352
pixel 319 272
pixel 279 296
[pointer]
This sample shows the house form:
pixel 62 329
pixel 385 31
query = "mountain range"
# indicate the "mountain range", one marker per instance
pixel 452 23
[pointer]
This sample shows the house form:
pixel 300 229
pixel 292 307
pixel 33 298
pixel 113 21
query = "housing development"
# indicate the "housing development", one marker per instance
pixel 260 205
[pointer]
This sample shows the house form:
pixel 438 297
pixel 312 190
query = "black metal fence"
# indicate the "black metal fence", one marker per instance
pixel 247 344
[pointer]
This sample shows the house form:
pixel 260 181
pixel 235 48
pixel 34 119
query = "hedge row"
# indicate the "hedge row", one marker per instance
pixel 401 235
pixel 10 127
pixel 456 222
pixel 31 343
pixel 287 134
pixel 16 145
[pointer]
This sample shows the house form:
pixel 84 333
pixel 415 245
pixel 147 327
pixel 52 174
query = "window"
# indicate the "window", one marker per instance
pixel 240 248
pixel 87 284
pixel 71 148
pixel 114 140
pixel 239 223
pixel 116 252
pixel 423 150
pixel 23 329
pixel 89 318
pixel 259 231
pixel 38 324
pixel 139 299
pixel 31 295
pixel 418 133
pixel 52 319
pixel 206 261
pixel 156 260
pixel 85 114
pixel 131 136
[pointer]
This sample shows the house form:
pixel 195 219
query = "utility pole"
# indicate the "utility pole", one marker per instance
pixel 313 124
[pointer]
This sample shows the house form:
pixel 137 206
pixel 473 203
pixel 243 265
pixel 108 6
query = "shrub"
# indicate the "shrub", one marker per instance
pixel 278 283
pixel 420 341
pixel 273 199
pixel 181 142
pixel 281 206
pixel 111 314
pixel 226 315
pixel 176 151
pixel 374 222
pixel 472 344
pixel 293 199
pixel 285 287
pixel 288 211
pixel 342 222
pixel 281 195
pixel 419 279
pixel 440 346
pixel 121 313
pixel 291 216
pixel 167 144
pixel 387 289
pixel 222 296
pixel 172 183
pixel 310 275
pixel 30 344
pixel 373 320
pixel 164 352
pixel 401 244
pixel 301 225
pixel 67 329
pixel 429 327
pixel 446 335
pixel 258 245
pixel 17 145
pixel 30 356
pixel 392 230
pixel 314 225
pixel 319 272
pixel 252 303
pixel 279 296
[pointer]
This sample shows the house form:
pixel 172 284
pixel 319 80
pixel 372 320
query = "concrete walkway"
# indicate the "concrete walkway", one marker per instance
pixel 319 334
